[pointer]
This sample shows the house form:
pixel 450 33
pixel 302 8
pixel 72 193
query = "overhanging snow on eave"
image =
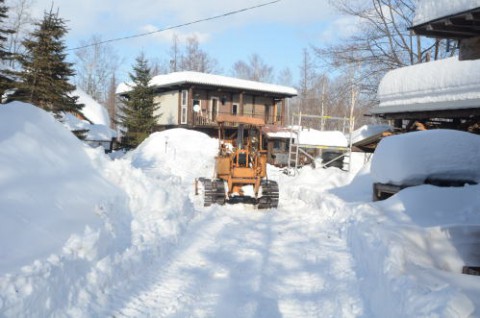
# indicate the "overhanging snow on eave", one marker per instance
pixel 470 105
pixel 441 85
pixel 457 26
pixel 434 10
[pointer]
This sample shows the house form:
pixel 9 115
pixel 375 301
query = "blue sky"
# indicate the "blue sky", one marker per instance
pixel 277 32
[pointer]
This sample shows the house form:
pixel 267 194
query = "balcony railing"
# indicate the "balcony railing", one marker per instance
pixel 209 120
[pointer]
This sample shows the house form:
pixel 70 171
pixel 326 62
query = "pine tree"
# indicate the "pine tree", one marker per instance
pixel 138 114
pixel 5 82
pixel 45 75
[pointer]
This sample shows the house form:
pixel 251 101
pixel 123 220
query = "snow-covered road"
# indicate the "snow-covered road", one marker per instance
pixel 234 261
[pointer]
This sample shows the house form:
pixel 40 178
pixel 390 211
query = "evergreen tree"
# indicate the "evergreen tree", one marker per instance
pixel 5 83
pixel 45 75
pixel 138 114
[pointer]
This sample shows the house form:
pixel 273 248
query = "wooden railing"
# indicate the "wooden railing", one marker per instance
pixel 208 120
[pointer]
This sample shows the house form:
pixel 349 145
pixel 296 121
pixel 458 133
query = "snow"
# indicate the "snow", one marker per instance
pixel 51 192
pixel 428 10
pixel 97 125
pixel 315 137
pixel 367 131
pixel 311 137
pixel 95 112
pixel 179 78
pixel 410 159
pixel 438 85
pixel 87 236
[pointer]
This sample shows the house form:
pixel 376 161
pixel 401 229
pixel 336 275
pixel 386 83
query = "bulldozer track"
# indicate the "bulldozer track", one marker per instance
pixel 214 192
pixel 270 195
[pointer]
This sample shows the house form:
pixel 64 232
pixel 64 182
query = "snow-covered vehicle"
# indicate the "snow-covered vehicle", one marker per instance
pixel 439 157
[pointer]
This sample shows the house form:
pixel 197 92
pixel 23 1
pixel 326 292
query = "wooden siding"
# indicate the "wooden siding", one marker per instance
pixel 168 103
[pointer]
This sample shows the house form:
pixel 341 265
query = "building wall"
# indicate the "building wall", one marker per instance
pixel 168 103
pixel 226 103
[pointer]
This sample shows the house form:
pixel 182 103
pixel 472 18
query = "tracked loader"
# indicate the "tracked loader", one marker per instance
pixel 240 166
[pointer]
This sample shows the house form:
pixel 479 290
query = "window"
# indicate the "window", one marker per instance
pixel 184 107
pixel 234 109
pixel 184 97
pixel 276 145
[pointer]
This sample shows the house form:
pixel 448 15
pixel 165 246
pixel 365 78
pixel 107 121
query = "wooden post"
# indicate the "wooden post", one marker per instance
pixel 241 104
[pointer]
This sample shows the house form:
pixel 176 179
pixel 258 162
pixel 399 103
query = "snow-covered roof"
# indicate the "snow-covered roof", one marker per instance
pixel 428 10
pixel 95 132
pixel 440 85
pixel 367 131
pixel 283 134
pixel 95 112
pixel 179 78
pixel 311 137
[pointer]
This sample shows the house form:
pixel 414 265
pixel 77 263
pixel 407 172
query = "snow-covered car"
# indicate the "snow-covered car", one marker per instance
pixel 440 157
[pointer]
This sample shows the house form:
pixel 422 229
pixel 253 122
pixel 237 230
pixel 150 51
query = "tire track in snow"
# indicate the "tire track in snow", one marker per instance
pixel 166 285
pixel 236 263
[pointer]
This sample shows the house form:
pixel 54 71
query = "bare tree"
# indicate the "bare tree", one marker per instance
pixel 95 66
pixel 174 54
pixel 308 77
pixel 21 22
pixel 254 69
pixel 285 77
pixel 196 59
pixel 382 41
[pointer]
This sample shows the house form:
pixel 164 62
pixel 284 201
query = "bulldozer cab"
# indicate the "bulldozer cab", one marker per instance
pixel 241 162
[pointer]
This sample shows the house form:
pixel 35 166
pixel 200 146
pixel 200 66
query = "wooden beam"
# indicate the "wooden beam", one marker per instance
pixel 446 114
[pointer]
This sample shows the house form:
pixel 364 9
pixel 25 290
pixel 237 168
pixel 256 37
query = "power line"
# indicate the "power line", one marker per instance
pixel 177 26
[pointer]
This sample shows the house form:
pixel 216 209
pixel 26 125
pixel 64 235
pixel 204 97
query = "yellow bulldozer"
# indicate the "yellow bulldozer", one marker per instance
pixel 240 166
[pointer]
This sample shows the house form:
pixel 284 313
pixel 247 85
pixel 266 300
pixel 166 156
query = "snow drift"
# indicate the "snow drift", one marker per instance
pixel 50 190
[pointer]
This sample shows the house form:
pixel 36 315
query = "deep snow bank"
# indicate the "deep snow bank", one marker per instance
pixel 410 249
pixel 49 188
pixel 77 227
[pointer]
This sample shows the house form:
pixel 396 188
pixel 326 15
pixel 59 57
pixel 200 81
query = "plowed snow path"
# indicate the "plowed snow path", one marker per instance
pixel 234 261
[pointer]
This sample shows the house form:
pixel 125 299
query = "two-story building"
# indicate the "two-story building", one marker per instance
pixel 193 100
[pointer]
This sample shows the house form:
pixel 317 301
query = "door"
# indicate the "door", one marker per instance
pixel 213 111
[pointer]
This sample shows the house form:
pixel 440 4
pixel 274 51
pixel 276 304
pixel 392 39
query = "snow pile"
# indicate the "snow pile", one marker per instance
pixel 428 10
pixel 411 249
pixel 50 189
pixel 410 159
pixel 442 84
pixel 178 152
pixel 74 225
